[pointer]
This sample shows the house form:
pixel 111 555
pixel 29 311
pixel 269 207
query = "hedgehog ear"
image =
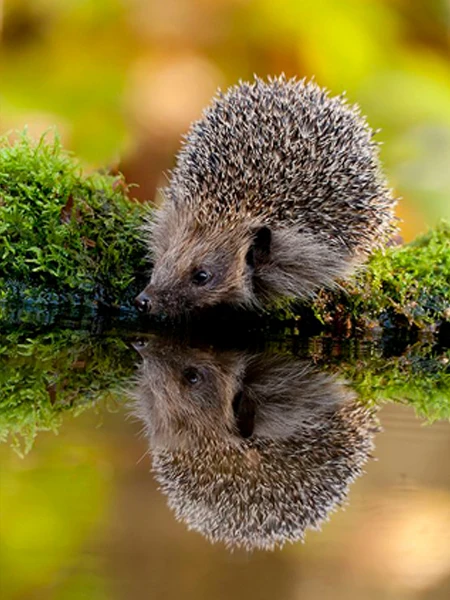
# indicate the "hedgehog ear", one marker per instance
pixel 244 414
pixel 259 250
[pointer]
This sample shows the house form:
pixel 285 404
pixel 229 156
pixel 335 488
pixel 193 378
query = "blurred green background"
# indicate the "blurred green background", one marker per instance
pixel 122 79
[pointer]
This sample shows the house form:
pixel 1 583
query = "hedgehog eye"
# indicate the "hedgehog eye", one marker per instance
pixel 201 277
pixel 192 375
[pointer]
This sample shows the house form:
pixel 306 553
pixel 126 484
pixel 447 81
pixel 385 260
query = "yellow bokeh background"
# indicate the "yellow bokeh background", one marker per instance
pixel 122 79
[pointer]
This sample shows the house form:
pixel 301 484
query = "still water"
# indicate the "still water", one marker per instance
pixel 208 471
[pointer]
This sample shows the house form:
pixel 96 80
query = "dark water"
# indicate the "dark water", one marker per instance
pixel 253 447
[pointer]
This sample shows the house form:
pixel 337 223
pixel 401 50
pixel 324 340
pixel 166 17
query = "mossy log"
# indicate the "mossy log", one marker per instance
pixel 66 237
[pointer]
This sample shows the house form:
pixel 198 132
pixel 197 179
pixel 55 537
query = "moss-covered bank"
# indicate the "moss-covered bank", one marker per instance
pixel 64 236
pixel 400 286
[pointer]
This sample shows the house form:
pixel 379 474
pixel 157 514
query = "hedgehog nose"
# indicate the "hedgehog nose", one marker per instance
pixel 143 303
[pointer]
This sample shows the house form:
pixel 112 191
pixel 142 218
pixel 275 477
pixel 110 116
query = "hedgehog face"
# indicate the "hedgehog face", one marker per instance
pixel 184 393
pixel 248 264
pixel 197 267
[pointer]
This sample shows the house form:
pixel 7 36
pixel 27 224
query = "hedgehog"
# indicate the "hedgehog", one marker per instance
pixel 277 192
pixel 250 449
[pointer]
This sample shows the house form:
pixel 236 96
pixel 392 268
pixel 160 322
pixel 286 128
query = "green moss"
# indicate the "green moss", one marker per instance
pixel 399 286
pixel 64 235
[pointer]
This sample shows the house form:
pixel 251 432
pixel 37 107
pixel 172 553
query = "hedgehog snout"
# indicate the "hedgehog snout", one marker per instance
pixel 143 302
pixel 161 302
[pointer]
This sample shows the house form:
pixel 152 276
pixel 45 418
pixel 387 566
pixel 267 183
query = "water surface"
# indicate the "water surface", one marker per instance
pixel 82 515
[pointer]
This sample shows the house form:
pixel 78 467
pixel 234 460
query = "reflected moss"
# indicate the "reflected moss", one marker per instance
pixel 51 374
pixel 419 377
pixel 47 376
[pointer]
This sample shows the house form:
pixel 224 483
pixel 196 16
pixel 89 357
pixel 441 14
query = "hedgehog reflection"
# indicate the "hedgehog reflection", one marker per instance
pixel 251 450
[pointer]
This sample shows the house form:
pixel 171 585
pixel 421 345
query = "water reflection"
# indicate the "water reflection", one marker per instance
pixel 250 449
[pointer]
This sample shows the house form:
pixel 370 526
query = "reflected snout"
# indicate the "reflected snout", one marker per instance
pixel 143 302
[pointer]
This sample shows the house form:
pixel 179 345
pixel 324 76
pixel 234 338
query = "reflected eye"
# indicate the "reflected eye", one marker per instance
pixel 191 375
pixel 201 277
